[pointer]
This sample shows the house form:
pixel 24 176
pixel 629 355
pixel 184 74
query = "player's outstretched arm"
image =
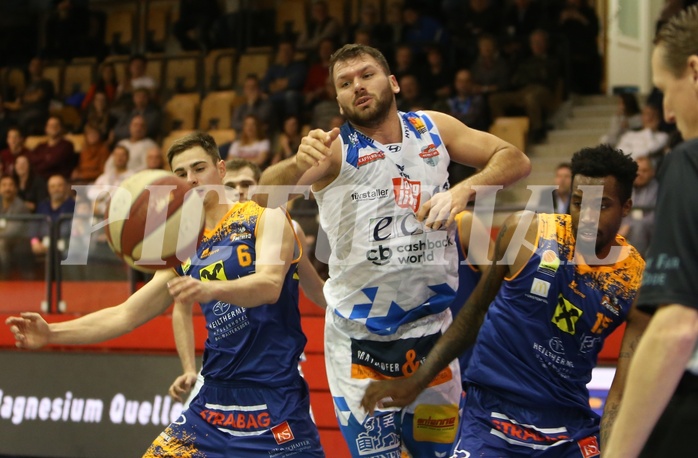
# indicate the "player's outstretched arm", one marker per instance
pixel 32 331
pixel 183 328
pixel 498 162
pixel 274 254
pixel 460 335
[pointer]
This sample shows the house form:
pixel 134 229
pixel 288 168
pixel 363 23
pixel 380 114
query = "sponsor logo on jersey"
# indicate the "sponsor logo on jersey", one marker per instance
pixel 430 154
pixel 282 433
pixel 394 147
pixel 611 304
pixel 371 157
pixel 549 263
pixel 412 253
pixel 237 419
pixel 371 194
pixel 526 435
pixel 186 265
pixel 388 227
pixel 220 308
pixel 556 345
pixel 435 423
pixel 214 271
pixel 540 287
pixel 589 447
pixel 575 289
pixel 566 315
pixel 418 124
pixel 408 193
pixel 379 437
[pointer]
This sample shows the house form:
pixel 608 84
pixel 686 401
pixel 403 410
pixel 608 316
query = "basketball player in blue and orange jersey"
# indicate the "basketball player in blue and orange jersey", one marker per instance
pixel 254 402
pixel 559 285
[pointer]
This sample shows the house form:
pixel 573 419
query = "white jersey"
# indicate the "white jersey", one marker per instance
pixel 387 269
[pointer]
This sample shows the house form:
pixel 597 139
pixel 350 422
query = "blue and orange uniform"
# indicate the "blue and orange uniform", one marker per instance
pixel 253 401
pixel 537 347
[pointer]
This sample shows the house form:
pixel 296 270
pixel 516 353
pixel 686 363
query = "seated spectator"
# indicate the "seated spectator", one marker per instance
pixel 520 19
pixel 252 144
pixel 314 88
pixel 406 63
pixel 534 83
pixel 31 188
pixel 579 27
pixel 638 226
pixel 438 76
pixel 472 19
pixel 420 30
pixel 34 103
pixel 369 23
pixel 60 202
pixel 326 109
pixel 7 121
pixel 197 16
pixel 142 106
pixel 466 105
pixel 12 232
pixel 99 116
pixel 320 26
pixel 410 97
pixel 627 118
pixel 648 140
pixel 137 145
pixel 284 80
pixel 255 103
pixel 289 139
pixel 136 79
pixel 154 159
pixel 113 177
pixel 561 194
pixel 15 147
pixel 490 71
pixel 106 84
pixel 93 156
pixel 56 155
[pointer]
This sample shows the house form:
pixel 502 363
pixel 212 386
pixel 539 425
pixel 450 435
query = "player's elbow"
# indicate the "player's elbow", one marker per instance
pixel 271 291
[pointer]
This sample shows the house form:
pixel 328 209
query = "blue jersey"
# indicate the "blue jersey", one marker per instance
pixel 255 345
pixel 543 331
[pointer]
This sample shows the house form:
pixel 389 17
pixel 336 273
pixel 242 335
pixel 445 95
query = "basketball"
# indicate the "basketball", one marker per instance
pixel 152 222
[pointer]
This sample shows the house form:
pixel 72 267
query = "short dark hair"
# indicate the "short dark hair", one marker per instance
pixel 192 140
pixel 604 160
pixel 679 37
pixel 352 51
pixel 237 163
pixel 563 165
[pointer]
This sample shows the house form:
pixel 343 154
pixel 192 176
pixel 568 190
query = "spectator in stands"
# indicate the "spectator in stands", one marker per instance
pixel 15 147
pixel 284 81
pixel 521 18
pixel 100 117
pixel 252 144
pixel 410 97
pixel 534 83
pixel 31 188
pixel 106 83
pixel 255 103
pixel 12 232
pixel 561 194
pixel 7 121
pixel 34 103
pixel 137 144
pixel 314 87
pixel 326 109
pixel 466 105
pixel 142 106
pixel 419 29
pixel 56 155
pixel 369 22
pixel 439 75
pixel 320 26
pixel 112 177
pixel 470 20
pixel 197 16
pixel 93 156
pixel 393 17
pixel 638 226
pixel 648 140
pixel 136 79
pixel 490 70
pixel 60 202
pixel 289 139
pixel 627 117
pixel 154 159
pixel 579 26
pixel 406 64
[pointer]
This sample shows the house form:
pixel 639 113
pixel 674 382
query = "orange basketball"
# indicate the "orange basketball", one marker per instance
pixel 153 222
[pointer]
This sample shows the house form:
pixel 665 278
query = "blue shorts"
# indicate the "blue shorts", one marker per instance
pixel 493 427
pixel 225 420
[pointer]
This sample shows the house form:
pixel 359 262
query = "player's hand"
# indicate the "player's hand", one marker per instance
pixel 182 385
pixel 30 330
pixel 390 393
pixel 440 211
pixel 315 148
pixel 188 290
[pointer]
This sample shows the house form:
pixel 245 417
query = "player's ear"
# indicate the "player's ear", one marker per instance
pixel 693 68
pixel 221 168
pixel 393 84
pixel 627 207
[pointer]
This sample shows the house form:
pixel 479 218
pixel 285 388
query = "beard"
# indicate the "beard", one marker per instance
pixel 371 116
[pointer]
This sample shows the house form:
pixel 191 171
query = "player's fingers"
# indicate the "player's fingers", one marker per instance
pixel 331 136
pixel 31 316
pixel 424 210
